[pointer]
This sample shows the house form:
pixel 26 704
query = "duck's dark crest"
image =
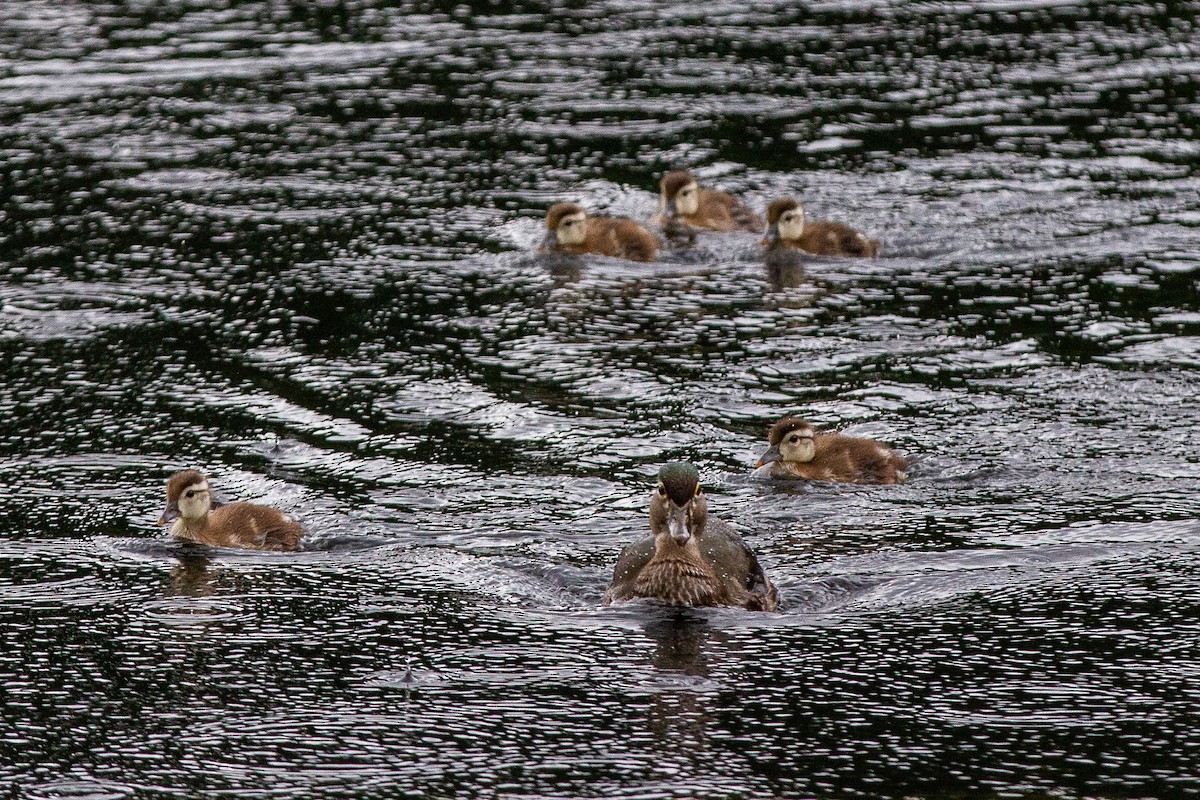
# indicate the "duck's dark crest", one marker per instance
pixel 680 479
pixel 778 208
pixel 784 427
pixel 672 182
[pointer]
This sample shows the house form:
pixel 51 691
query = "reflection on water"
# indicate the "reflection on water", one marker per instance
pixel 290 246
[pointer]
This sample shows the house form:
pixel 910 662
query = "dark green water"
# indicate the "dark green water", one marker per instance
pixel 289 244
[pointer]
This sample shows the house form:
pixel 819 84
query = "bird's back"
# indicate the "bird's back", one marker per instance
pixel 835 239
pixel 251 525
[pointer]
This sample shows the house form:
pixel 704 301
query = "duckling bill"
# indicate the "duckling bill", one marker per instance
pixel 195 517
pixel 788 229
pixel 797 451
pixel 570 229
pixel 691 559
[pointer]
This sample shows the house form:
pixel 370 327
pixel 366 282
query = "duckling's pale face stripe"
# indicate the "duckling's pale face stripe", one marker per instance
pixel 687 201
pixel 791 224
pixel 194 501
pixel 572 229
pixel 798 446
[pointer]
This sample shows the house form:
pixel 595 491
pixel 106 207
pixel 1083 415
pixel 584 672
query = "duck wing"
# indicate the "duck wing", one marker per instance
pixel 737 567
pixel 630 563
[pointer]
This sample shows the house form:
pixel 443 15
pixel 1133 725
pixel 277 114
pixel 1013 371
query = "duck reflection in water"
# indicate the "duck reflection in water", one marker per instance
pixel 679 711
pixel 194 576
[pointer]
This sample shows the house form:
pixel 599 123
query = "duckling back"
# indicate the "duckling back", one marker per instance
pixel 251 526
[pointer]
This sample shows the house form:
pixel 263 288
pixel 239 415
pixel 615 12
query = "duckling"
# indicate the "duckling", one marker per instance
pixel 798 451
pixel 683 200
pixel 691 559
pixel 787 228
pixel 198 518
pixel 572 230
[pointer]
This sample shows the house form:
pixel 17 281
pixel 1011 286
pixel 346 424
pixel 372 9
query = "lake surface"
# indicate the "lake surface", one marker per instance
pixel 290 244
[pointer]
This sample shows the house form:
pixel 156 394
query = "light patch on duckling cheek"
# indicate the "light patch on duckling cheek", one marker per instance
pixel 802 451
pixel 197 505
pixel 572 231
pixel 791 226
pixel 687 202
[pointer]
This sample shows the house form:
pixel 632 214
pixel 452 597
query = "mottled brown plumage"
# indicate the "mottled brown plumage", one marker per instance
pixel 788 229
pixel 683 200
pixel 196 517
pixel 797 451
pixel 690 559
pixel 572 230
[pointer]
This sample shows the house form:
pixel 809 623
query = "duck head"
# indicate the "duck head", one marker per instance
pixel 680 194
pixel 566 225
pixel 791 439
pixel 785 220
pixel 678 508
pixel 188 496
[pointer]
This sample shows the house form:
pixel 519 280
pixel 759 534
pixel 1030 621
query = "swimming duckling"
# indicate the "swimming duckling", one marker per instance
pixel 691 560
pixel 198 518
pixel 787 228
pixel 798 451
pixel 571 230
pixel 683 200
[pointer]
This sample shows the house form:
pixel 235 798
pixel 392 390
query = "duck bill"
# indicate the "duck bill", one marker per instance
pixel 771 236
pixel 549 243
pixel 170 514
pixel 677 525
pixel 772 454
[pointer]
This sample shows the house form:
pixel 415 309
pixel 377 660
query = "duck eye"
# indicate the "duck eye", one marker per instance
pixel 191 493
pixel 662 490
pixel 795 439
pixel 697 492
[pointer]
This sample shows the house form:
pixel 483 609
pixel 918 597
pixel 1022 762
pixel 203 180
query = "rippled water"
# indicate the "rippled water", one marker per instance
pixel 289 244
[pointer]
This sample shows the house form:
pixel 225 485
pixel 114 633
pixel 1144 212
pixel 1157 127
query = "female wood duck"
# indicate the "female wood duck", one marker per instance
pixel 797 451
pixel 788 229
pixel 571 230
pixel 198 518
pixel 683 200
pixel 691 560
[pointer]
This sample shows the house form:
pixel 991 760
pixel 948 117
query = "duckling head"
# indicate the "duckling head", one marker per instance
pixel 680 194
pixel 785 220
pixel 566 224
pixel 678 508
pixel 188 496
pixel 791 439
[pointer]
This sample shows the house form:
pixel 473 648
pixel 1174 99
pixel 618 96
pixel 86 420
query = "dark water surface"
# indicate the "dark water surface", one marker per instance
pixel 288 244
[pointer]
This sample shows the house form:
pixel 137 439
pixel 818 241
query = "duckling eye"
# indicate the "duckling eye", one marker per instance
pixel 794 439
pixel 190 493
pixel 662 490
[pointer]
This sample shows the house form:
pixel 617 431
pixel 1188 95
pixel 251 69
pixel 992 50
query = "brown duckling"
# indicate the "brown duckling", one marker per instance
pixel 572 230
pixel 683 200
pixel 196 517
pixel 787 228
pixel 798 451
pixel 692 559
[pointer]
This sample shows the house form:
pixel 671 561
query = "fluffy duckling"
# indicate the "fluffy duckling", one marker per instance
pixel 691 560
pixel 798 451
pixel 787 228
pixel 571 230
pixel 196 517
pixel 683 200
